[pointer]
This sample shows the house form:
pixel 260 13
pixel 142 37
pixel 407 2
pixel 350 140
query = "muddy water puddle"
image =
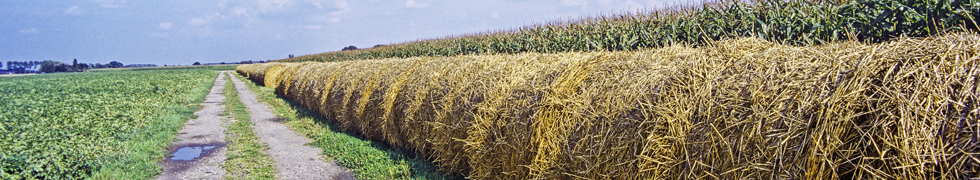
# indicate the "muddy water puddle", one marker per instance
pixel 191 152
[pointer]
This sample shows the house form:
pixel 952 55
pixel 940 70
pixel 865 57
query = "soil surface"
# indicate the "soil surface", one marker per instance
pixel 294 159
pixel 208 130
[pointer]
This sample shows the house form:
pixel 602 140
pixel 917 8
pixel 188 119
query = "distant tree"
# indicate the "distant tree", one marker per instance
pixel 222 63
pixel 291 56
pixel 196 63
pixel 1 65
pixel 74 64
pixel 379 45
pixel 34 65
pixel 115 64
pixel 349 48
pixel 18 66
pixel 49 66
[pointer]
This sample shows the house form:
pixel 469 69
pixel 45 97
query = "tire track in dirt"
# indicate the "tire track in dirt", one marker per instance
pixel 294 159
pixel 203 136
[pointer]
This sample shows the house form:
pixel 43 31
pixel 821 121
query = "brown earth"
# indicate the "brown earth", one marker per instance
pixel 207 130
pixel 294 159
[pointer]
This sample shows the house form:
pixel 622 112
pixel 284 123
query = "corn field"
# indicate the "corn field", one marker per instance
pixel 797 22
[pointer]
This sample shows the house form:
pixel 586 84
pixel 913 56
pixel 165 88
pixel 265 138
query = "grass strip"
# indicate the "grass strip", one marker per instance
pixel 246 159
pixel 145 146
pixel 366 159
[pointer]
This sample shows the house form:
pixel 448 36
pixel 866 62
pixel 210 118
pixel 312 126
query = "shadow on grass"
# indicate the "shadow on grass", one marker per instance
pixel 367 159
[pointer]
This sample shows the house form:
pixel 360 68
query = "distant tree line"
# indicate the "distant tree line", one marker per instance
pixel 50 66
pixel 221 63
pixel 22 67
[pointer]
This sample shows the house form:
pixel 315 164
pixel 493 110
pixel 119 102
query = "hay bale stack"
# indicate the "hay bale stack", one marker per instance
pixel 259 72
pixel 744 108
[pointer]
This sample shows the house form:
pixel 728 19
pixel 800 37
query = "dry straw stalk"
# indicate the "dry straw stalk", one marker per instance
pixel 734 109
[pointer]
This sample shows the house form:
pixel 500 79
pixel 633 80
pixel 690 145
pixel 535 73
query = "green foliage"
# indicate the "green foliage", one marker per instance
pixel 798 22
pixel 246 159
pixel 366 159
pixel 114 124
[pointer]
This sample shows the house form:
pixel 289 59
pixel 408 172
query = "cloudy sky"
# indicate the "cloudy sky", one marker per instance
pixel 181 32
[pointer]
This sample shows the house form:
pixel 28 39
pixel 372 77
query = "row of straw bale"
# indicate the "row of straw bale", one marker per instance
pixel 259 72
pixel 735 109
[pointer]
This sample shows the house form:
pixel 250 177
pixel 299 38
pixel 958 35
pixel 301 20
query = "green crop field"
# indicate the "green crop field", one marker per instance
pixel 760 89
pixel 113 124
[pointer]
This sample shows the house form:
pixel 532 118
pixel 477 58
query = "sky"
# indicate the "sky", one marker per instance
pixel 181 32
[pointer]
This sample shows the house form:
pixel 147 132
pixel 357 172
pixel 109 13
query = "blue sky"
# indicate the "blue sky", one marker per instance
pixel 181 32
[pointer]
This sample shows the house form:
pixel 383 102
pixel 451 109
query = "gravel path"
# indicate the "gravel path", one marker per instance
pixel 294 160
pixel 206 134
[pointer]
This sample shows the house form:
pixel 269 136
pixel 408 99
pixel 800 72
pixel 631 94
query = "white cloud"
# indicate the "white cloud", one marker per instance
pixel 633 6
pixel 575 3
pixel 74 10
pixel 111 4
pixel 271 5
pixel 317 4
pixel 200 31
pixel 331 18
pixel 311 14
pixel 166 25
pixel 335 15
pixel 495 15
pixel 198 21
pixel 342 4
pixel 264 6
pixel 29 31
pixel 207 19
pixel 411 4
pixel 239 11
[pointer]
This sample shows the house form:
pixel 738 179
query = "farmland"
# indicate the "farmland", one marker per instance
pixel 798 89
pixel 734 109
pixel 793 22
pixel 113 124
pixel 875 89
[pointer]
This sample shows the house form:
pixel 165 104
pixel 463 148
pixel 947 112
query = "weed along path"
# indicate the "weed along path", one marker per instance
pixel 294 160
pixel 200 152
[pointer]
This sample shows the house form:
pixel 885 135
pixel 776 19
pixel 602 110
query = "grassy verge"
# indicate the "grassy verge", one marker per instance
pixel 143 146
pixel 245 157
pixel 366 159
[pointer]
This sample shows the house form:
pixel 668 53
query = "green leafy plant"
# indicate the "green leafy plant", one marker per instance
pixel 109 125
pixel 795 22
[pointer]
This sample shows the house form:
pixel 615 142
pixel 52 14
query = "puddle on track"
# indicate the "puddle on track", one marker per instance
pixel 190 153
pixel 193 151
